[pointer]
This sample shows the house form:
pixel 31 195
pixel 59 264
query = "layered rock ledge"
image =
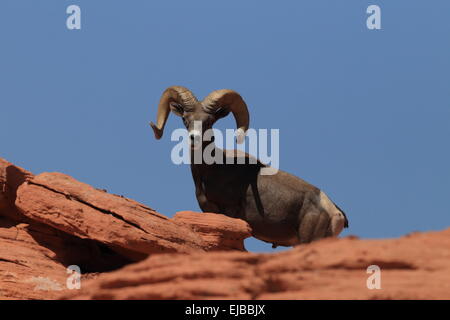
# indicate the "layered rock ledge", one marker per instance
pixel 126 250
pixel 51 221
pixel 413 267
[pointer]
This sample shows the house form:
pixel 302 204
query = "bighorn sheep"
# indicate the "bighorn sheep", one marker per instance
pixel 281 209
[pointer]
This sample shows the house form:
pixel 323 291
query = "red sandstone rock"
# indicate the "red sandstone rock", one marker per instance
pixel 218 231
pixel 412 267
pixel 51 221
pixel 78 209
pixel 62 222
pixel 27 270
pixel 214 275
pixel 11 177
pixel 33 259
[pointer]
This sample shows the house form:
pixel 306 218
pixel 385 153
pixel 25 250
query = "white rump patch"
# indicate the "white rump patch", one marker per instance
pixel 328 205
pixel 336 216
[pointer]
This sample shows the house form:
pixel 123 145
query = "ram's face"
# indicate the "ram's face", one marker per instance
pixel 199 116
pixel 197 121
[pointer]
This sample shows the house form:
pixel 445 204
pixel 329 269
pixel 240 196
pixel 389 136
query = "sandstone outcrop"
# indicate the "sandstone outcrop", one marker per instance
pixel 78 209
pixel 51 221
pixel 413 267
pixel 218 231
pixel 126 250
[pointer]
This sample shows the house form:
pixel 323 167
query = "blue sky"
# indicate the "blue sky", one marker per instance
pixel 364 115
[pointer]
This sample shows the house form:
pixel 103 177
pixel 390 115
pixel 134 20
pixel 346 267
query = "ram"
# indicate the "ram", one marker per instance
pixel 281 209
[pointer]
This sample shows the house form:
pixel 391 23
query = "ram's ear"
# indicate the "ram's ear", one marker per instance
pixel 221 112
pixel 176 108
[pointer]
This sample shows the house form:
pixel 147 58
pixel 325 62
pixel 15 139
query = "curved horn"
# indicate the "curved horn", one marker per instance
pixel 176 94
pixel 232 101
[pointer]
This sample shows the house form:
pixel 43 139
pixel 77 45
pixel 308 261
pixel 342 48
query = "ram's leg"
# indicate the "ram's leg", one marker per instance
pixel 204 204
pixel 314 225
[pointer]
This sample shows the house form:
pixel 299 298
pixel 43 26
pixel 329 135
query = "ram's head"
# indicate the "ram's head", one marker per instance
pixel 216 105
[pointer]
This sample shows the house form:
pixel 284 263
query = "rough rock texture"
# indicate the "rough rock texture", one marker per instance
pixel 11 177
pixel 413 267
pixel 25 264
pixel 126 250
pixel 218 231
pixel 51 221
pixel 78 209
pixel 34 256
